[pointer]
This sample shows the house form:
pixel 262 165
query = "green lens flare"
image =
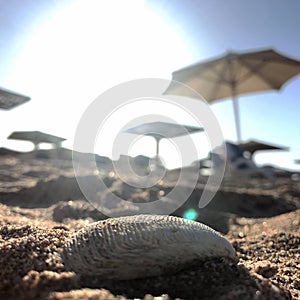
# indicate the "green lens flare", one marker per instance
pixel 190 214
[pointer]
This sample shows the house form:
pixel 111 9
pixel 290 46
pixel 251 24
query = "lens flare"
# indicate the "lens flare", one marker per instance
pixel 190 214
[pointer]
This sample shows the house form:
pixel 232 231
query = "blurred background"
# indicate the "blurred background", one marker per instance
pixel 64 54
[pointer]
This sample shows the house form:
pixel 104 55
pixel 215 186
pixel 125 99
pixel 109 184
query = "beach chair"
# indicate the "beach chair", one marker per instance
pixel 238 166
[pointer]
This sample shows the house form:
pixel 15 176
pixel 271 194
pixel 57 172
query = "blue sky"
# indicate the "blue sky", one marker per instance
pixel 63 54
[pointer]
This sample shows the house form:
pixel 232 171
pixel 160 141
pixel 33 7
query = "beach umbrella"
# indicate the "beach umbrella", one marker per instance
pixel 36 137
pixel 253 146
pixel 160 130
pixel 235 74
pixel 9 99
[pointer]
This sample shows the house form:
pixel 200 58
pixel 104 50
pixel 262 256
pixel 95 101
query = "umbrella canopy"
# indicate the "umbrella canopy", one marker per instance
pixel 160 130
pixel 253 145
pixel 235 74
pixel 9 99
pixel 36 137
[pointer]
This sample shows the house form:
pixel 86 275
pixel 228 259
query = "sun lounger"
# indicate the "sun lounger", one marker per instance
pixel 238 166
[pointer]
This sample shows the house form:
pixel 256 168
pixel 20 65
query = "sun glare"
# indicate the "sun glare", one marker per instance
pixel 87 47
pixel 102 42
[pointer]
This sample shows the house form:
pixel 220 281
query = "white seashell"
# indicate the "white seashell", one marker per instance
pixel 142 246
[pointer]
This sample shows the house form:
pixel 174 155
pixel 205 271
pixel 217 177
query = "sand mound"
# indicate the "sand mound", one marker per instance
pixel 42 206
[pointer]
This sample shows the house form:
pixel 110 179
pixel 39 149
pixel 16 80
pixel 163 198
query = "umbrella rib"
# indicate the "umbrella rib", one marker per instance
pixel 286 60
pixel 232 82
pixel 210 67
pixel 220 80
pixel 253 70
pixel 217 78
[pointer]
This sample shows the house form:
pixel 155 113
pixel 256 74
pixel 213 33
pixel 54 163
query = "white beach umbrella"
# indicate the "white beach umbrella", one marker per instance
pixel 234 74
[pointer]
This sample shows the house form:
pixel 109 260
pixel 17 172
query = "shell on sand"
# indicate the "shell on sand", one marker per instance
pixel 142 246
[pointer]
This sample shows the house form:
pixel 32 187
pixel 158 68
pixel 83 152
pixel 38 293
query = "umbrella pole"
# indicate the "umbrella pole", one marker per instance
pixel 236 115
pixel 157 149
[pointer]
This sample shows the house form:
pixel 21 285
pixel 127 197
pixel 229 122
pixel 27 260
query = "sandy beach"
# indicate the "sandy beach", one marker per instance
pixel 42 206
